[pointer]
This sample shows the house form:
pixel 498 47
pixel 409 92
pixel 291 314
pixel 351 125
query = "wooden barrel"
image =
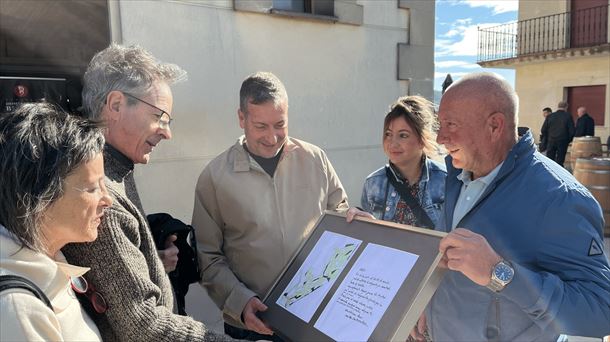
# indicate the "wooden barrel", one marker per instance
pixel 585 147
pixel 594 173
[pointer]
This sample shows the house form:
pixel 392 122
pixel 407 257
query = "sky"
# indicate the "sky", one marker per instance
pixel 455 46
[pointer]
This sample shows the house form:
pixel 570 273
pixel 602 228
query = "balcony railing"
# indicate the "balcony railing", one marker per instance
pixel 582 28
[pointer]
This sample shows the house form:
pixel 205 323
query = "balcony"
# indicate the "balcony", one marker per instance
pixel 584 32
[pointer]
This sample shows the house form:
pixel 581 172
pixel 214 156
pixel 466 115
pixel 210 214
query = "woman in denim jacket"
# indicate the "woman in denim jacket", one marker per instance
pixel 408 140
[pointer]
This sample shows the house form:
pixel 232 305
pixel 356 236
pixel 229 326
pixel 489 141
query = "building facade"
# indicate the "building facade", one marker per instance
pixel 560 50
pixel 342 61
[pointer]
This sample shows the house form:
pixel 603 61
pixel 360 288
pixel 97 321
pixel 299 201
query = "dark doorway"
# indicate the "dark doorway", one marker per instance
pixel 591 97
pixel 45 47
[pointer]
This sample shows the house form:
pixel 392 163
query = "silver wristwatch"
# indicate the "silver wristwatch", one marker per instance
pixel 501 275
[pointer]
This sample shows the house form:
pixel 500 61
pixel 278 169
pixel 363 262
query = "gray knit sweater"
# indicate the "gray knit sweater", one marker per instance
pixel 127 271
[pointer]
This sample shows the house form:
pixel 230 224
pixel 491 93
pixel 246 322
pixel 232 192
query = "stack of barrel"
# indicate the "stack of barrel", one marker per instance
pixel 593 171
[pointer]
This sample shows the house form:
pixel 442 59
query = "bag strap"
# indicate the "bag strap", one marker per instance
pixel 10 281
pixel 420 214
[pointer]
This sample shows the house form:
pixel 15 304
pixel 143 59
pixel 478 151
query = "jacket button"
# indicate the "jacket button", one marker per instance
pixel 393 194
pixel 387 208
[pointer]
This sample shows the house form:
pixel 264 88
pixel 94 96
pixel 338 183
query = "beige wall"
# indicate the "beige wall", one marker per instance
pixel 542 85
pixel 529 9
pixel 340 80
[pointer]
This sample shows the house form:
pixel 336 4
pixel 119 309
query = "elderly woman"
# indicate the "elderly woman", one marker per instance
pixel 52 193
pixel 411 188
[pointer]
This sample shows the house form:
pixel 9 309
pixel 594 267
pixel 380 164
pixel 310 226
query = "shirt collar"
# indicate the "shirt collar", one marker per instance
pixel 241 163
pixel 466 176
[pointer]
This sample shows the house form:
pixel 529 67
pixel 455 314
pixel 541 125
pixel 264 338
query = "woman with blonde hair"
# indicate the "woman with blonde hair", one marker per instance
pixel 410 189
pixel 52 193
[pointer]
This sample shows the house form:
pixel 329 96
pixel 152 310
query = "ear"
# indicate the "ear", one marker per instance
pixel 497 125
pixel 115 102
pixel 242 118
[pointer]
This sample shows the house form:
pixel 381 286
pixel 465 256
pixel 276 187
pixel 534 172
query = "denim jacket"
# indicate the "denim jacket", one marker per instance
pixel 380 198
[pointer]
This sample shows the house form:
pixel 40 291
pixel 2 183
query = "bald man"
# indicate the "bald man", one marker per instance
pixel 585 125
pixel 524 249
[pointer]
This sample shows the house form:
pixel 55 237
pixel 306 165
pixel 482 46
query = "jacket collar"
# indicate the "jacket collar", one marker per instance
pixel 523 148
pixel 425 171
pixel 243 162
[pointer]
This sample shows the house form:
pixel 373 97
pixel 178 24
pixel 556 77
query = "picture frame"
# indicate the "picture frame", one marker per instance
pixel 368 280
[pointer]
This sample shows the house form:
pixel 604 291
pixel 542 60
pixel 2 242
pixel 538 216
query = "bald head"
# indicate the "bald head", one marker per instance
pixel 478 122
pixel 491 94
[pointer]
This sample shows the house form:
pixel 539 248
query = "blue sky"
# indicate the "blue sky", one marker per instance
pixel 455 46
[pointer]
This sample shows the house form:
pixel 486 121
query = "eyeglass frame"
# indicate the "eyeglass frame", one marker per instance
pixel 162 124
pixel 100 306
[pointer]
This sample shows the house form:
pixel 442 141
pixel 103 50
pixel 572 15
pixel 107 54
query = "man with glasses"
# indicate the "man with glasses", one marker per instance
pixel 128 89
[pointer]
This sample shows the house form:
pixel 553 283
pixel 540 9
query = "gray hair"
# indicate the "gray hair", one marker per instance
pixel 259 88
pixel 562 105
pixel 41 145
pixel 129 69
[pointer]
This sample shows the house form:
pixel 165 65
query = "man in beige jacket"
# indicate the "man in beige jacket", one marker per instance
pixel 256 202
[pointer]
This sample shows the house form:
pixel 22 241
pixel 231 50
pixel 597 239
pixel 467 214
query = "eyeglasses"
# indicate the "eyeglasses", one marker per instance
pixel 81 286
pixel 164 119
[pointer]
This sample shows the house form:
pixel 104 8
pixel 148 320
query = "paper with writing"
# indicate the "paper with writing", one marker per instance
pixel 365 294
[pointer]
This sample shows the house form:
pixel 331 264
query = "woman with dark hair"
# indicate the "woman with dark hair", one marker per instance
pixel 410 189
pixel 52 193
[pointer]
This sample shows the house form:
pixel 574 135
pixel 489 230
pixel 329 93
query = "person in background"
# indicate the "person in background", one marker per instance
pixel 546 112
pixel 585 125
pixel 542 144
pixel 558 130
pixel 52 193
pixel 256 202
pixel 410 189
pixel 524 249
pixel 128 89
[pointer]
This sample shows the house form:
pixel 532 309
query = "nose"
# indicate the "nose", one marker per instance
pixel 272 137
pixel 166 132
pixel 440 137
pixel 106 200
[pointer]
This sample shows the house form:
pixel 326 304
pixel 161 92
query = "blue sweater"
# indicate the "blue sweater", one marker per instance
pixel 538 217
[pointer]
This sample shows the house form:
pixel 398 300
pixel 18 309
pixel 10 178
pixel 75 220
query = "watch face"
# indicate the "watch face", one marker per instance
pixel 503 272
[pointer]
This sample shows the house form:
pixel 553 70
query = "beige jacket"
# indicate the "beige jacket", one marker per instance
pixel 25 317
pixel 248 224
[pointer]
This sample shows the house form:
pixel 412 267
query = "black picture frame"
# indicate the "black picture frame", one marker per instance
pixel 408 302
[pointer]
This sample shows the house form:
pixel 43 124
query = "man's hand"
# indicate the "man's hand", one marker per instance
pixel 251 321
pixel 469 253
pixel 417 334
pixel 353 212
pixel 169 255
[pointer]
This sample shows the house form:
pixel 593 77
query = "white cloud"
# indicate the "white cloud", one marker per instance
pixel 497 6
pixel 457 64
pixel 464 42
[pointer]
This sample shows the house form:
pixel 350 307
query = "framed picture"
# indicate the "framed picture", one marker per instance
pixel 368 280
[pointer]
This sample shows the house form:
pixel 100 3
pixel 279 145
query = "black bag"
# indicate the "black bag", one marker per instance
pixel 187 270
pixel 10 281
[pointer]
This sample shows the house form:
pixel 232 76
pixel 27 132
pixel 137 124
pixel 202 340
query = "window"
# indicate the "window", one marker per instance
pixel 317 7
